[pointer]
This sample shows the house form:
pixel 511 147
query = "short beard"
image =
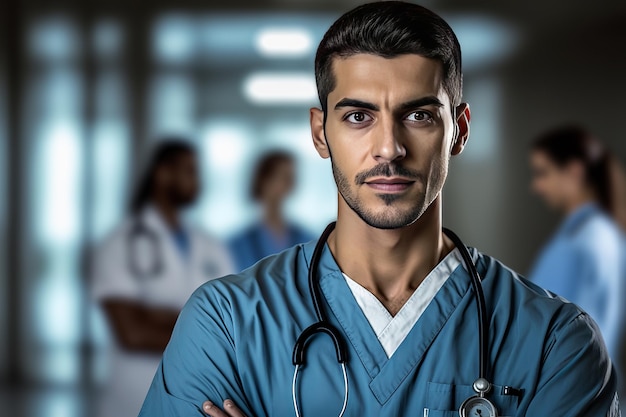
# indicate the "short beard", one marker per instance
pixel 380 221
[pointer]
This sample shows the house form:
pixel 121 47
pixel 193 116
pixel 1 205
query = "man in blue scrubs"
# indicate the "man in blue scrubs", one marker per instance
pixel 391 117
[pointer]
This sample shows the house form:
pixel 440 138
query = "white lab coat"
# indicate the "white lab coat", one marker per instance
pixel 131 373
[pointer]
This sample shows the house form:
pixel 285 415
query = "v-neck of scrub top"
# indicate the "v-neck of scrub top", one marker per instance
pixel 387 373
pixel 392 330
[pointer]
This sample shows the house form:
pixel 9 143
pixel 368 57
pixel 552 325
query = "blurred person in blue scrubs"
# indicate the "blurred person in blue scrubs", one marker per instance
pixel 585 260
pixel 272 183
pixel 147 268
pixel 399 294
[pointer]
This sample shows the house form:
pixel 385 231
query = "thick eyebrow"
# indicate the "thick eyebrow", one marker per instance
pixel 420 102
pixel 409 105
pixel 351 102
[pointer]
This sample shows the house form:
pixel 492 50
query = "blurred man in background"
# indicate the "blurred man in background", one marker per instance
pixel 585 260
pixel 145 271
pixel 272 183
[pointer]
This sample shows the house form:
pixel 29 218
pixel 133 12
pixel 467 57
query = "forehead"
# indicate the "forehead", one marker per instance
pixel 540 158
pixel 183 158
pixel 375 78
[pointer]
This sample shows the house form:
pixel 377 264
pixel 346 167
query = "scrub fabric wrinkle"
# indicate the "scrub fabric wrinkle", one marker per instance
pixel 237 332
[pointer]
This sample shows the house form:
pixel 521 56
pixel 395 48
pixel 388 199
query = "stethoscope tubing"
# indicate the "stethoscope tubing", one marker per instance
pixel 481 305
pixel 138 229
pixel 313 276
pixel 323 325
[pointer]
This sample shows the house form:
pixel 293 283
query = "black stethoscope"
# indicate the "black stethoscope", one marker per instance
pixel 143 240
pixel 477 405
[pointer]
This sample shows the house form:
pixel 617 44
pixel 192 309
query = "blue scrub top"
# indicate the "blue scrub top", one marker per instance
pixel 585 263
pixel 182 241
pixel 234 339
pixel 258 242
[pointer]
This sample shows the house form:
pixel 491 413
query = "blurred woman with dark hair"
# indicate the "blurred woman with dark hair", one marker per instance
pixel 272 182
pixel 585 261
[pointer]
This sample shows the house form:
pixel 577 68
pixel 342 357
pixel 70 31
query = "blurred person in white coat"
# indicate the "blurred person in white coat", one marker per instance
pixel 146 270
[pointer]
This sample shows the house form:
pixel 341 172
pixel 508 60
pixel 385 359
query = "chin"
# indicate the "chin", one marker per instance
pixel 389 219
pixel 554 205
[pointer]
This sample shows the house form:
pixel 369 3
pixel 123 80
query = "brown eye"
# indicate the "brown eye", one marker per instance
pixel 419 116
pixel 358 117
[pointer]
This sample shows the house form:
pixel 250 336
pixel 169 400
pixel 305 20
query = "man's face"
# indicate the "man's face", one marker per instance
pixel 389 133
pixel 181 180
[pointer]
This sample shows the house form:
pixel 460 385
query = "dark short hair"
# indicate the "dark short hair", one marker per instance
pixel 572 143
pixel 265 168
pixel 168 148
pixel 389 29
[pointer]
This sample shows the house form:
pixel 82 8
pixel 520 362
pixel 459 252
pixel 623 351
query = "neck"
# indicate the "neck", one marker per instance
pixel 273 218
pixel 391 264
pixel 168 211
pixel 579 200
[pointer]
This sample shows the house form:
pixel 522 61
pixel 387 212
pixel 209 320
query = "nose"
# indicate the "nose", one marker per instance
pixel 388 145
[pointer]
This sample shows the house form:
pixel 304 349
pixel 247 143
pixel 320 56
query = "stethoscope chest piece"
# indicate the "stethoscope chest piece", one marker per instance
pixel 478 405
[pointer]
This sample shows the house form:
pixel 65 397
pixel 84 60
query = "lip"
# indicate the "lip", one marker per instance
pixel 395 184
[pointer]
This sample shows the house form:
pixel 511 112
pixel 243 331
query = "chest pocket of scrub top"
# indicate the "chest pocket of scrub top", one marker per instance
pixel 444 400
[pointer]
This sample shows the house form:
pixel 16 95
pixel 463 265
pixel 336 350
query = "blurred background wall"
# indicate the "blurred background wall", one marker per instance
pixel 86 86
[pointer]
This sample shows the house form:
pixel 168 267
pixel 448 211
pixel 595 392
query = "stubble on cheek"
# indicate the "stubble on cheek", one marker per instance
pixel 391 218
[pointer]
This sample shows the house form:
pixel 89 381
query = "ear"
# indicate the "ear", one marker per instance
pixel 576 169
pixel 462 128
pixel 317 132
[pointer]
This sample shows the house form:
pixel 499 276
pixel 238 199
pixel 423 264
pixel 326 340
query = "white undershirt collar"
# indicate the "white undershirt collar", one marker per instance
pixel 391 331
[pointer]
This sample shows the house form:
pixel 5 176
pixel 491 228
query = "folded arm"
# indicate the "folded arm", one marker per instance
pixel 138 327
pixel 198 364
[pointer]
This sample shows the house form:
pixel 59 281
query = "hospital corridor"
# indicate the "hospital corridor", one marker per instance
pixel 147 148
